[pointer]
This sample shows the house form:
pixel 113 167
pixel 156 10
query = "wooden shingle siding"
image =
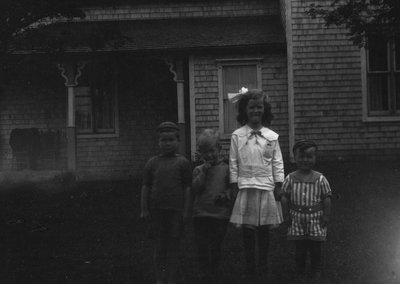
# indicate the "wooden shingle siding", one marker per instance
pixel 125 156
pixel 142 106
pixel 182 10
pixel 274 83
pixel 327 91
pixel 31 107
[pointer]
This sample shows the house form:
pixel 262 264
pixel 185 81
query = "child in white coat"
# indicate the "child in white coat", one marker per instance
pixel 256 174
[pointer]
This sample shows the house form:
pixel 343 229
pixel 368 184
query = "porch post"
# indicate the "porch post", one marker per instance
pixel 289 52
pixel 71 130
pixel 181 105
pixel 180 92
pixel 71 72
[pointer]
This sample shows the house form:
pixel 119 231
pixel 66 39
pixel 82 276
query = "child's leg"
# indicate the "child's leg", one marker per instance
pixel 315 255
pixel 263 244
pixel 160 259
pixel 249 240
pixel 201 239
pixel 160 231
pixel 173 259
pixel 301 255
pixel 218 231
pixel 175 223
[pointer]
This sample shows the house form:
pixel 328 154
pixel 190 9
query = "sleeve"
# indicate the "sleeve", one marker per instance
pixel 277 164
pixel 198 180
pixel 233 159
pixel 286 187
pixel 227 190
pixel 325 188
pixel 186 174
pixel 148 173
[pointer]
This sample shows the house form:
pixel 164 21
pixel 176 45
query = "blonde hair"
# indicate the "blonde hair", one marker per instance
pixel 208 138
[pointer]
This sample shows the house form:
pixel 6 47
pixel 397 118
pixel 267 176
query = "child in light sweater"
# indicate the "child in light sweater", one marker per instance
pixel 211 209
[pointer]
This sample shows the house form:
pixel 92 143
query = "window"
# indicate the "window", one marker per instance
pixel 383 77
pixel 95 100
pixel 233 75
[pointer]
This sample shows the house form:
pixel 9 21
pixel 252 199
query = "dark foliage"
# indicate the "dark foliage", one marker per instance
pixel 17 16
pixel 28 27
pixel 361 17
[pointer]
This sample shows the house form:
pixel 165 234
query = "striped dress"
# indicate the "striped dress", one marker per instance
pixel 306 205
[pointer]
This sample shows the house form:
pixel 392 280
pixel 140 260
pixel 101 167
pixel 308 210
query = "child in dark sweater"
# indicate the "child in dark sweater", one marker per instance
pixel 166 198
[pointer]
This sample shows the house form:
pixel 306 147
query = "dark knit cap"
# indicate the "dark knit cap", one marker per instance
pixel 167 125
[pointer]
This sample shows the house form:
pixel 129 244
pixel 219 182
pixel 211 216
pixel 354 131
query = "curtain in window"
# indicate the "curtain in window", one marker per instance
pixel 95 100
pixel 104 110
pixel 397 71
pixel 378 74
pixel 234 78
pixel 378 90
pixel 83 109
pixel 397 54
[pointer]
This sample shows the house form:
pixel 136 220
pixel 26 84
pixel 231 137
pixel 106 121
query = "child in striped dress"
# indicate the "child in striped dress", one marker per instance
pixel 306 207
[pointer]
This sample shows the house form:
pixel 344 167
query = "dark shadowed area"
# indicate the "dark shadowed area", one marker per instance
pixel 64 232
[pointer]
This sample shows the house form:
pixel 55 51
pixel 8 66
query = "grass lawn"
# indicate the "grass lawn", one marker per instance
pixel 91 233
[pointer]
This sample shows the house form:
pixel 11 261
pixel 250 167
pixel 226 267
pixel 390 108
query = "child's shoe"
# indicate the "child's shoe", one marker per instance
pixel 203 277
pixel 215 276
pixel 299 277
pixel 316 277
pixel 264 276
pixel 249 272
pixel 161 275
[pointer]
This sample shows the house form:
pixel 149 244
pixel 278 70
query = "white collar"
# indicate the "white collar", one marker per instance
pixel 268 134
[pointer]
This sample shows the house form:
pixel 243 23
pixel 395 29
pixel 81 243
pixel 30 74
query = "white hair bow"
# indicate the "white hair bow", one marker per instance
pixel 234 97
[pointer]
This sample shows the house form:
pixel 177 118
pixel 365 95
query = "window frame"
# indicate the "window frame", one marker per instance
pixel 221 63
pixel 377 115
pixel 92 134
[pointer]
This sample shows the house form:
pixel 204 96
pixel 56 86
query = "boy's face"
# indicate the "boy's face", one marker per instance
pixel 305 159
pixel 209 153
pixel 168 142
pixel 255 111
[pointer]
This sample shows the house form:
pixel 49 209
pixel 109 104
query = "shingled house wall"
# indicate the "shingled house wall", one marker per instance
pixel 27 102
pixel 140 112
pixel 184 10
pixel 124 156
pixel 274 83
pixel 328 92
pixel 120 155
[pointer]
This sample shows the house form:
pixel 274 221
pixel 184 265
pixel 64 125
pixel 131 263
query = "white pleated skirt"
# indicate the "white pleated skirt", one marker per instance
pixel 256 207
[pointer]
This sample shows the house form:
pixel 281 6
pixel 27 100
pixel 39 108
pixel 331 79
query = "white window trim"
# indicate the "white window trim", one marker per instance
pixel 364 91
pixel 234 62
pixel 116 117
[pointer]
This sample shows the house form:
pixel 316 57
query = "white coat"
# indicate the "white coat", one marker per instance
pixel 255 160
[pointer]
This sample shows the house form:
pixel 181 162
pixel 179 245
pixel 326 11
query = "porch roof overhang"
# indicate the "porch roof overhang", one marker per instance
pixel 160 35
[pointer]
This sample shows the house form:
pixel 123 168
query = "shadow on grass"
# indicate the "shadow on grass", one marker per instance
pixel 91 233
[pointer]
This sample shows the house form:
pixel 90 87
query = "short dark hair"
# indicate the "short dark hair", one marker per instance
pixel 303 145
pixel 254 94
